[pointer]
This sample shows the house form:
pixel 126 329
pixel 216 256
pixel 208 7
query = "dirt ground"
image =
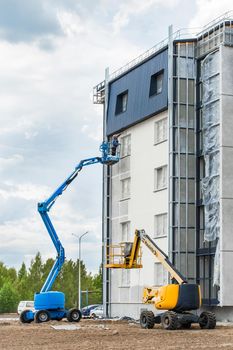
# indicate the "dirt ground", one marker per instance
pixel 109 335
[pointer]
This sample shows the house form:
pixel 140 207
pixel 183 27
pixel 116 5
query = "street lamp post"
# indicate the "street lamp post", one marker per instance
pixel 79 266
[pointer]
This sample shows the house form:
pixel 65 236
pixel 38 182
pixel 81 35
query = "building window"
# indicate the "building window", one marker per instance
pixel 125 231
pixel 121 102
pixel 125 278
pixel 126 145
pixel 160 275
pixel 161 178
pixel 160 223
pixel 160 130
pixel 125 188
pixel 156 84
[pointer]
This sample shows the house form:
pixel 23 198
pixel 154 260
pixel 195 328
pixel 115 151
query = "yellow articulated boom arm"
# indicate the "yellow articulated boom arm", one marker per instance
pixel 160 255
pixel 129 255
pixel 177 299
pixel 180 296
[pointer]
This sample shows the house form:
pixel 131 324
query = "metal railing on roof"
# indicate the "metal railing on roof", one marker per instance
pixel 185 33
pixel 139 59
pixel 226 16
pixel 215 33
pixel 179 34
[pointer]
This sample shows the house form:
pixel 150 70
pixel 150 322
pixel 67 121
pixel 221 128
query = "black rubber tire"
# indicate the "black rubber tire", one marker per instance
pixel 207 320
pixel 93 316
pixel 147 319
pixel 169 320
pixel 22 317
pixel 74 315
pixel 42 316
pixel 186 325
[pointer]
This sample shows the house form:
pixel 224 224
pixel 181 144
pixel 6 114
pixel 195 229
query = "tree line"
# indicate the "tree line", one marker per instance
pixel 24 283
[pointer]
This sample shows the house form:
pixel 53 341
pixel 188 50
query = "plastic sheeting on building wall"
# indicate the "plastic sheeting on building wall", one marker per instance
pixel 211 152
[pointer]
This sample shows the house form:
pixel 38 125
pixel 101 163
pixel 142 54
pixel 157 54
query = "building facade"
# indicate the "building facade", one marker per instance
pixel 173 109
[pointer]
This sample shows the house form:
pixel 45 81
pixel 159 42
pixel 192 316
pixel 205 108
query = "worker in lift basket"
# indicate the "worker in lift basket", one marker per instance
pixel 115 144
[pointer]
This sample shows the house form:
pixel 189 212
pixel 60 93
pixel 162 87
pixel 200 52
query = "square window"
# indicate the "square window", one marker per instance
pixel 121 102
pixel 160 275
pixel 125 278
pixel 160 130
pixel 125 188
pixel 160 228
pixel 156 84
pixel 125 231
pixel 125 145
pixel 160 178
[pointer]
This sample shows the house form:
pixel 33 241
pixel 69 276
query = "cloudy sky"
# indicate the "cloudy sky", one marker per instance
pixel 52 54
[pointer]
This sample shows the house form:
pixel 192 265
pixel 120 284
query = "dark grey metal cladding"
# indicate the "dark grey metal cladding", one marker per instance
pixel 137 82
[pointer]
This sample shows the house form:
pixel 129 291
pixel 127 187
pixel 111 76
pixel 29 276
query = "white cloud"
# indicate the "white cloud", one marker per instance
pixel 137 7
pixel 208 10
pixel 27 20
pixel 27 191
pixel 95 133
pixel 71 23
pixel 30 134
pixel 22 239
pixel 10 162
pixel 23 126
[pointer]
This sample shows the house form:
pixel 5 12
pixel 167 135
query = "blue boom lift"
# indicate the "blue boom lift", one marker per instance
pixel 50 305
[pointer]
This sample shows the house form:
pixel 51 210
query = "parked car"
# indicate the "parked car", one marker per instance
pixel 87 309
pixel 25 305
pixel 98 312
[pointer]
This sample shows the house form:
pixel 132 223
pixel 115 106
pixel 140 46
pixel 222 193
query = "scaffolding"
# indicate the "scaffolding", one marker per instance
pixel 219 31
pixel 182 75
pixel 99 93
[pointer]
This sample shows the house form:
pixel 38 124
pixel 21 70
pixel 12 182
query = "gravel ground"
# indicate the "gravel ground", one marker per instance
pixel 109 335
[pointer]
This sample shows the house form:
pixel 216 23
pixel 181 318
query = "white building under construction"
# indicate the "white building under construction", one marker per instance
pixel 173 109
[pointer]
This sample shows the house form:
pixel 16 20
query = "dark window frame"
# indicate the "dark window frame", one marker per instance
pixel 119 102
pixel 153 91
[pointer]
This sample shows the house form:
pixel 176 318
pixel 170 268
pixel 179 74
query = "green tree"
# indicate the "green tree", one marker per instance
pixel 96 296
pixel 3 274
pixel 46 268
pixel 35 280
pixel 11 275
pixel 98 279
pixel 22 271
pixel 67 283
pixel 22 284
pixel 8 298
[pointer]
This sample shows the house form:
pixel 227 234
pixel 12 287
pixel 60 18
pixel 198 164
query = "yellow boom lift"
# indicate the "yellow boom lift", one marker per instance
pixel 177 298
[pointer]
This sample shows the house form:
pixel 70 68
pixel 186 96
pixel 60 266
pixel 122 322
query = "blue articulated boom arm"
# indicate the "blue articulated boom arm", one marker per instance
pixel 45 206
